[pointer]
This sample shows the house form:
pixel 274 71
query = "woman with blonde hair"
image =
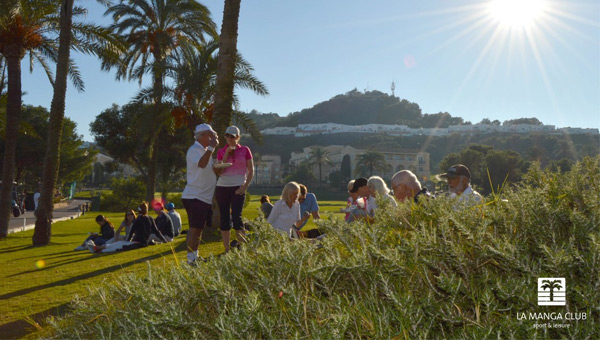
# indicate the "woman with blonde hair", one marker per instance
pixel 378 188
pixel 286 212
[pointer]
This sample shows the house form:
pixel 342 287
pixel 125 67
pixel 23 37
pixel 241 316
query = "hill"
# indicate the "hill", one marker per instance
pixel 357 108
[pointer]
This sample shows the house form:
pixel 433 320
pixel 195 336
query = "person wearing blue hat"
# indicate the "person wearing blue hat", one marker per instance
pixel 175 218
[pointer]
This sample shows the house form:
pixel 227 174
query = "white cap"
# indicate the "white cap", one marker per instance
pixel 233 130
pixel 203 127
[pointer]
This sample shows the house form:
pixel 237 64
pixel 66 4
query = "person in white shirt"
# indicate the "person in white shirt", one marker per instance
pixel 378 188
pixel 459 185
pixel 286 211
pixel 201 181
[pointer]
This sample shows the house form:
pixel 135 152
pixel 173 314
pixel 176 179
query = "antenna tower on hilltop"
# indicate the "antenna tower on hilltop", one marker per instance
pixel 393 87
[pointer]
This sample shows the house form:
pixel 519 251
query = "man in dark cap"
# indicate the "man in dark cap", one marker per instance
pixel 459 184
pixel 362 190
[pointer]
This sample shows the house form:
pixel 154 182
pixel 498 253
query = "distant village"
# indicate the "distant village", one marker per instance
pixel 303 130
pixel 269 167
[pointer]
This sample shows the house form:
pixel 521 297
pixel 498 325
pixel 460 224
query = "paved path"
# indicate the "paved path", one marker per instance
pixel 61 212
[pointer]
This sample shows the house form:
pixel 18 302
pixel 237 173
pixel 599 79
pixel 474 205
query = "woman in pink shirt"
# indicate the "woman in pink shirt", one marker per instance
pixel 232 184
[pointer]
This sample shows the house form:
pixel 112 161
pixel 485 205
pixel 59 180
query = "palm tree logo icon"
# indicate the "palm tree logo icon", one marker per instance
pixel 551 291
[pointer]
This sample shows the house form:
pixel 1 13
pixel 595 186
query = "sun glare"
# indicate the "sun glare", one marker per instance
pixel 517 14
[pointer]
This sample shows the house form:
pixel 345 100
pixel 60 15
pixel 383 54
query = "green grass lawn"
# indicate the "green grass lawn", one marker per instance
pixel 39 282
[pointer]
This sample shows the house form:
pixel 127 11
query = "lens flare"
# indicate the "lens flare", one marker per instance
pixel 409 61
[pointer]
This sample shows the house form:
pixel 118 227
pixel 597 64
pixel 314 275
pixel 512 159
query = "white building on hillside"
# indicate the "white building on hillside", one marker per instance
pixel 417 162
pixel 267 170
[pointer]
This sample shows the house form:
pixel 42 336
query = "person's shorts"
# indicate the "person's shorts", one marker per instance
pixel 198 212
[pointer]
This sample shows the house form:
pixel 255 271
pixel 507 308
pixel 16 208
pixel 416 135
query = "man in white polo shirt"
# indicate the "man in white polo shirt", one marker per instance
pixel 201 181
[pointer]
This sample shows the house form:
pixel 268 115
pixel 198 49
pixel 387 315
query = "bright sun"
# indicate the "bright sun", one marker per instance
pixel 517 14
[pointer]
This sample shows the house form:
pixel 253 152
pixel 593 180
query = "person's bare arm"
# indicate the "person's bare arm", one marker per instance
pixel 208 154
pixel 249 174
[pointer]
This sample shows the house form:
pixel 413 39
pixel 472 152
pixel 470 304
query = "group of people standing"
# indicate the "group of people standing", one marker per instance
pixel 234 168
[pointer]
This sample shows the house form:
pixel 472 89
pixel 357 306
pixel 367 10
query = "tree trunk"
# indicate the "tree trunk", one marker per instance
pixel 43 222
pixel 158 93
pixel 152 166
pixel 320 173
pixel 13 118
pixel 226 68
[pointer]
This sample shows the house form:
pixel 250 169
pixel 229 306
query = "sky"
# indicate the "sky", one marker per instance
pixel 473 59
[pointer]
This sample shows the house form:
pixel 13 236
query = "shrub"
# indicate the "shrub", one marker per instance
pixel 126 193
pixel 433 270
pixel 175 199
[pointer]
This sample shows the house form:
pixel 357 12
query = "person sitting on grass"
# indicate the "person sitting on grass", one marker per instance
pixel 407 186
pixel 175 218
pixel 125 226
pixel 363 201
pixel 308 204
pixel 379 189
pixel 138 236
pixel 265 205
pixel 459 185
pixel 286 211
pixel 163 224
pixel 355 204
pixel 107 232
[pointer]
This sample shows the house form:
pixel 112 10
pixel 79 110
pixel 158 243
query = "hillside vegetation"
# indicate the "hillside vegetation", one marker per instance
pixel 357 108
pixel 435 270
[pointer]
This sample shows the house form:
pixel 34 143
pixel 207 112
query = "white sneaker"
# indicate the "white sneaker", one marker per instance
pixel 91 247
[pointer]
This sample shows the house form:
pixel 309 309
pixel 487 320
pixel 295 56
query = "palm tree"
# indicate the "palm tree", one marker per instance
pixel 551 285
pixel 369 162
pixel 226 68
pixel 195 75
pixel 155 30
pixel 26 26
pixel 85 38
pixel 319 157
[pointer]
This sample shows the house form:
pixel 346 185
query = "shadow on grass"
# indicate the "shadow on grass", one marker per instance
pixel 20 328
pixel 89 275
pixel 55 255
pixel 54 265
pixel 13 249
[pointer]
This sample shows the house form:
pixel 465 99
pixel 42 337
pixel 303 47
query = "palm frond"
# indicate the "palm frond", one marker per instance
pixel 42 61
pixel 75 76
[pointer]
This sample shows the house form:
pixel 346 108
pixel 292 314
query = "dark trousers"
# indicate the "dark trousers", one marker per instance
pixel 230 207
pixel 97 240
